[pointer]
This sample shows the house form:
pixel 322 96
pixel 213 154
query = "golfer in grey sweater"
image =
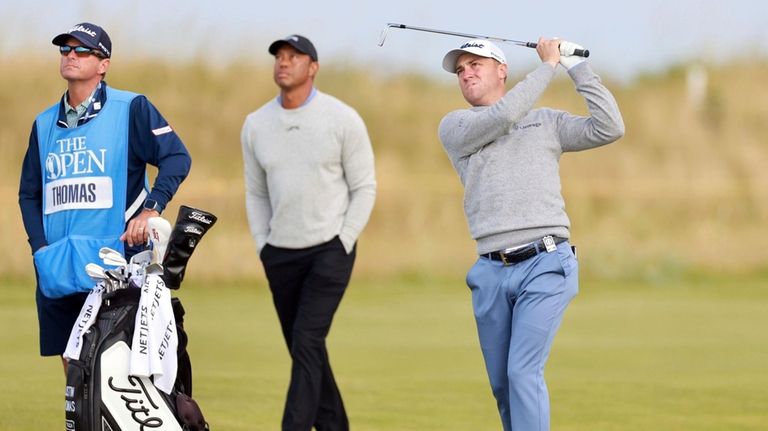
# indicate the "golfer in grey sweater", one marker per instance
pixel 507 156
pixel 310 188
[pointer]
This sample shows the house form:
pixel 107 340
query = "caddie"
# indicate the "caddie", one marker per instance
pixel 83 180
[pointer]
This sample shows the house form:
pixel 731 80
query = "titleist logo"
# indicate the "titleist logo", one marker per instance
pixel 193 229
pixel 200 217
pixel 83 29
pixel 134 398
pixel 472 45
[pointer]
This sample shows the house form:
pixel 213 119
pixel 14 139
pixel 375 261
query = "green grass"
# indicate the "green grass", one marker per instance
pixel 679 355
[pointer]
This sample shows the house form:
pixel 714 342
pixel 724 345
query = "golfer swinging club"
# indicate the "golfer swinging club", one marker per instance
pixel 507 156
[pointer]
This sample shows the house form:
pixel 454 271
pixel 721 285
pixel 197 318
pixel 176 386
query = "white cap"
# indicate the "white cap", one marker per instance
pixel 481 47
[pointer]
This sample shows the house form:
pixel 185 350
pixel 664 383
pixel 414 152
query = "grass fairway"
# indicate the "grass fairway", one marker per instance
pixel 682 355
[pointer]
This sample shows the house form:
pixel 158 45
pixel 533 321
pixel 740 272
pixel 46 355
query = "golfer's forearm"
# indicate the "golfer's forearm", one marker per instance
pixel 603 126
pixel 519 101
pixel 32 216
pixel 467 131
pixel 360 207
pixel 259 212
pixel 31 194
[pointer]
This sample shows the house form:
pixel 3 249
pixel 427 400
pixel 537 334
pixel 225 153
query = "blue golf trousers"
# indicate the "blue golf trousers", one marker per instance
pixel 518 309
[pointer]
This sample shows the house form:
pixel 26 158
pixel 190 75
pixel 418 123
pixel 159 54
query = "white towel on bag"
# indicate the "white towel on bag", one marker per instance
pixel 155 339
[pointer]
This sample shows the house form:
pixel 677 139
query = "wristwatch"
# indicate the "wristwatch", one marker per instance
pixel 151 204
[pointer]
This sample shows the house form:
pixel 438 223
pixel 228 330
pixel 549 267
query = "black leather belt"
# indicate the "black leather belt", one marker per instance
pixel 527 252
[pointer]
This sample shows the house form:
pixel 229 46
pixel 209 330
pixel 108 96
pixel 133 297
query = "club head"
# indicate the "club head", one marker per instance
pixel 142 258
pixel 106 251
pixel 95 271
pixel 159 234
pixel 112 257
pixel 385 31
pixel 154 269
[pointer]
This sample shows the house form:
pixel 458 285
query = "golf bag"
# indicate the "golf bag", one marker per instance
pixel 101 394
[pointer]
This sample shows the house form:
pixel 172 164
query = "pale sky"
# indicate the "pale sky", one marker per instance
pixel 626 38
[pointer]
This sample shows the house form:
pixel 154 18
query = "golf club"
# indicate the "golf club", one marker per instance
pixel 142 258
pixel 154 269
pixel 383 37
pixel 138 267
pixel 94 271
pixel 114 274
pixel 112 257
pixel 117 279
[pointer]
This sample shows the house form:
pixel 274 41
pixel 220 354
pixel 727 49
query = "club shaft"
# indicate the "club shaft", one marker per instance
pixel 455 33
pixel 579 52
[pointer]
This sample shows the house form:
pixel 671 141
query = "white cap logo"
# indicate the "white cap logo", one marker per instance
pixel 82 29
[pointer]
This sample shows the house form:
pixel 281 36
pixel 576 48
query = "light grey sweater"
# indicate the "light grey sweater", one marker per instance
pixel 309 173
pixel 507 156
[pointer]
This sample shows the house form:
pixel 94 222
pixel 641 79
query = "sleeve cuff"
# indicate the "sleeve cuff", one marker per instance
pixel 36 244
pixel 261 241
pixel 580 72
pixel 347 241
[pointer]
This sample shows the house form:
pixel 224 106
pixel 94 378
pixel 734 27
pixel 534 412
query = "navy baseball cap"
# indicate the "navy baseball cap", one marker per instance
pixel 299 42
pixel 90 35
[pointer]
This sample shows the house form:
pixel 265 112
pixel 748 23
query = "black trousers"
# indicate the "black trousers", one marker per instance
pixel 307 286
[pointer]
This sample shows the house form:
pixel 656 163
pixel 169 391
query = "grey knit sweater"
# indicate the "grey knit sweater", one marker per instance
pixel 507 156
pixel 309 173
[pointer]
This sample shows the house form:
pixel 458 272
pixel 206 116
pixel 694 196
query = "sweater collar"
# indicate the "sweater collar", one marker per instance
pixel 311 96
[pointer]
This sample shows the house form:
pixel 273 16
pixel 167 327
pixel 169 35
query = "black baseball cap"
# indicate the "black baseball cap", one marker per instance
pixel 90 35
pixel 299 42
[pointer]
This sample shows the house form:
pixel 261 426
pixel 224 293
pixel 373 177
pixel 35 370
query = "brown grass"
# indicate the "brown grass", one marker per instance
pixel 685 189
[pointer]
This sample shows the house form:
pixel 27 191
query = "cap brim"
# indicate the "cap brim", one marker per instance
pixel 62 40
pixel 278 43
pixel 449 61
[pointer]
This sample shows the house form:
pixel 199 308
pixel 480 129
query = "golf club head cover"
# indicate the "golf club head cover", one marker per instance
pixel 191 225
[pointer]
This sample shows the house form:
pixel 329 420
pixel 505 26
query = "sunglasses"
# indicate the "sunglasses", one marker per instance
pixel 80 51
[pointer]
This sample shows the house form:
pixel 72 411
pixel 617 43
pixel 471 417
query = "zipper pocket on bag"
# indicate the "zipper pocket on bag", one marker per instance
pixel 77 396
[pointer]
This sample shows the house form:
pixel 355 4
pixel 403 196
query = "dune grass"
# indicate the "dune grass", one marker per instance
pixel 684 189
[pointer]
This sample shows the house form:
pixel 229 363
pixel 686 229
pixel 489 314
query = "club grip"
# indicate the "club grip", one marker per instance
pixel 581 52
pixel 578 52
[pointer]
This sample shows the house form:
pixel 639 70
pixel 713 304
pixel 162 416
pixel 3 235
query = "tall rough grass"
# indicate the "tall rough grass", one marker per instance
pixel 684 190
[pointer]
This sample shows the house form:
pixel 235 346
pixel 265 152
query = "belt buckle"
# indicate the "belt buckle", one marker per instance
pixel 549 243
pixel 503 257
